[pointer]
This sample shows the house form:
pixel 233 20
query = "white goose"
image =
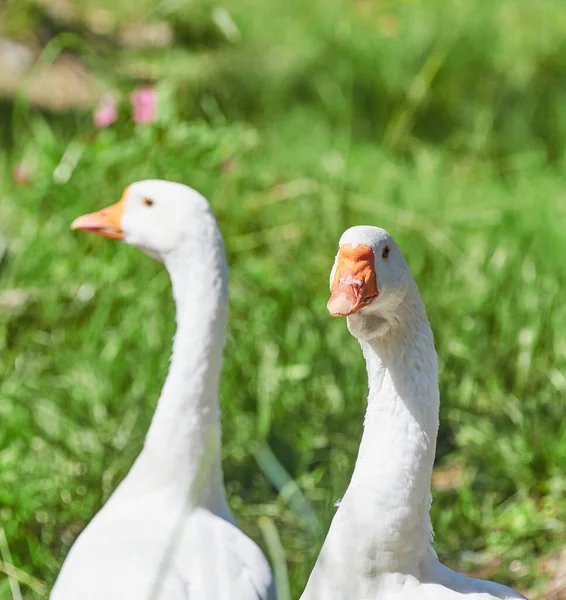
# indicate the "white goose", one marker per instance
pixel 167 532
pixel 379 546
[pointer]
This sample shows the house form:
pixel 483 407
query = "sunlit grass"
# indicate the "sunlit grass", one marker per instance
pixel 85 354
pixel 442 137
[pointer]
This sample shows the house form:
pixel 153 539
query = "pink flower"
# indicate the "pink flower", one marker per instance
pixel 144 102
pixel 106 112
pixel 21 174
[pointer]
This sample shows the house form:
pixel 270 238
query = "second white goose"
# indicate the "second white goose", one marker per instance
pixel 379 546
pixel 167 532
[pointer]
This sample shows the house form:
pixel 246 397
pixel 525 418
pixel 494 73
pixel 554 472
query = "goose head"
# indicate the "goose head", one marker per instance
pixel 369 281
pixel 153 215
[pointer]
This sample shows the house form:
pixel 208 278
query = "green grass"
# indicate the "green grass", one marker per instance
pixel 345 127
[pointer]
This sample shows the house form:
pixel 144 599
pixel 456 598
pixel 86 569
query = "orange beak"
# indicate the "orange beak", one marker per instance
pixel 106 222
pixel 354 284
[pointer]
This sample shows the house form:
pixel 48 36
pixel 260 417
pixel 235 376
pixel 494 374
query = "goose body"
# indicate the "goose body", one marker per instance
pixel 379 546
pixel 167 532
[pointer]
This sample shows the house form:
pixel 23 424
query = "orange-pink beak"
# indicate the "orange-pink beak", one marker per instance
pixel 106 222
pixel 354 284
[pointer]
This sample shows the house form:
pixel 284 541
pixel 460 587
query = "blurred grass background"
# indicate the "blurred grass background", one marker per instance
pixel 444 122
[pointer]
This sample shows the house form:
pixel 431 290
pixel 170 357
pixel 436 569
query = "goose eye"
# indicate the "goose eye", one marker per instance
pixel 385 253
pixel 147 202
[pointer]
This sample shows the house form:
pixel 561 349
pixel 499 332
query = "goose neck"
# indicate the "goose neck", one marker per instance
pixel 183 444
pixel 390 487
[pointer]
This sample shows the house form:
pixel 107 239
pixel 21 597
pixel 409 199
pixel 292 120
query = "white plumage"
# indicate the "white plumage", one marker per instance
pixel 379 546
pixel 167 532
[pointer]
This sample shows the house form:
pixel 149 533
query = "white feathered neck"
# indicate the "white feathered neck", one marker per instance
pixel 382 523
pixel 396 456
pixel 182 449
pixel 379 546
